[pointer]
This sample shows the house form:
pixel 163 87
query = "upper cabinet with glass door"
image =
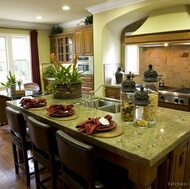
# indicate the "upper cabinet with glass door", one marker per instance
pixel 62 46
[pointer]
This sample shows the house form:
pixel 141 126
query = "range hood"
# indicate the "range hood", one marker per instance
pixel 170 24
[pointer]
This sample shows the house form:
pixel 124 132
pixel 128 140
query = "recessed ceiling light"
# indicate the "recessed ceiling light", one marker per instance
pixel 65 7
pixel 38 17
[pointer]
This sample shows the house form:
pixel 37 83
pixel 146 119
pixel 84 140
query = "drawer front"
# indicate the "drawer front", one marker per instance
pixel 87 89
pixel 87 83
pixel 112 92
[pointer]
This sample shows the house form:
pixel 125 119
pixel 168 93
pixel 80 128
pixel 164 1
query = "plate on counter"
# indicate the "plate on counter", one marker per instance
pixel 111 126
pixel 37 105
pixel 67 113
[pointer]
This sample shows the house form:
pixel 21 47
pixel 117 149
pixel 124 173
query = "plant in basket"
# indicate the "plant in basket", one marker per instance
pixel 67 82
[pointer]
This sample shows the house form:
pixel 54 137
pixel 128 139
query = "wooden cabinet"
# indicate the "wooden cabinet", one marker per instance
pixel 62 46
pixel 87 83
pixel 83 38
pixel 174 171
pixel 179 167
pixel 112 92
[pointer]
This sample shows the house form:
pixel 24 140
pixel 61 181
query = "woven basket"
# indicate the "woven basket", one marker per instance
pixel 68 92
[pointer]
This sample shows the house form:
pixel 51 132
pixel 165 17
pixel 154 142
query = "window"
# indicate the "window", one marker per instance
pixel 132 59
pixel 15 56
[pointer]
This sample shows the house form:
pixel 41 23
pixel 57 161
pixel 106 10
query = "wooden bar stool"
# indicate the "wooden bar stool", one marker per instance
pixel 3 117
pixel 45 152
pixel 20 139
pixel 78 163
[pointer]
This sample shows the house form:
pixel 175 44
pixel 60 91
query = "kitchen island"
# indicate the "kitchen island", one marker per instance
pixel 156 156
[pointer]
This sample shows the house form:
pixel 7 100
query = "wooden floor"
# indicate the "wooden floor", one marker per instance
pixel 8 178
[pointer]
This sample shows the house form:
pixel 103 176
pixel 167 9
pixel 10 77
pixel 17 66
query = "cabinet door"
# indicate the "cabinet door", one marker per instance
pixel 112 92
pixel 84 41
pixel 62 46
pixel 60 49
pixel 88 41
pixel 78 42
pixel 68 48
pixel 178 167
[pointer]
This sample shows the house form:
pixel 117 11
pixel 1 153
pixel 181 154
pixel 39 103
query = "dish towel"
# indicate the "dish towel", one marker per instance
pixel 59 108
pixel 30 102
pixel 91 125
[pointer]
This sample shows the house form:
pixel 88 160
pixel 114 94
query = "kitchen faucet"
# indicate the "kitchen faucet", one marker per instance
pixel 92 94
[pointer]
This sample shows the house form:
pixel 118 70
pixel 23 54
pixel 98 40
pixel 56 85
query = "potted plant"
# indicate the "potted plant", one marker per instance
pixel 56 30
pixel 10 84
pixel 88 20
pixel 67 82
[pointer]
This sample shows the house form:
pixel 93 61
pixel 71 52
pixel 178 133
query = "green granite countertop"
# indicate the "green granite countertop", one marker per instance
pixel 145 146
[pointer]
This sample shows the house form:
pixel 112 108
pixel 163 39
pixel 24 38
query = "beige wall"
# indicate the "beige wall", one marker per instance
pixel 105 25
pixel 43 43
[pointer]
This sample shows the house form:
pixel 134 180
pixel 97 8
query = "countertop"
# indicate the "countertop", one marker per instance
pixel 145 146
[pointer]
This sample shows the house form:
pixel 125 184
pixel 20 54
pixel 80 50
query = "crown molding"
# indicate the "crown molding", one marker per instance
pixel 109 5
pixel 24 25
pixel 73 23
pixel 112 4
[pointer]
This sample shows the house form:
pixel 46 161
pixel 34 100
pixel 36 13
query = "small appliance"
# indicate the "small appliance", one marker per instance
pixel 85 64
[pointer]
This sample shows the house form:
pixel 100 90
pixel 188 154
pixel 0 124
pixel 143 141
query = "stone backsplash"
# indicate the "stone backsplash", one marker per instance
pixel 173 62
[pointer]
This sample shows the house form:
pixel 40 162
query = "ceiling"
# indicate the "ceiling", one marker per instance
pixel 22 13
pixel 50 10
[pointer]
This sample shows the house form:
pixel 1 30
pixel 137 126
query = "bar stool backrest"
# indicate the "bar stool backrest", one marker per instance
pixel 78 160
pixel 17 123
pixel 3 117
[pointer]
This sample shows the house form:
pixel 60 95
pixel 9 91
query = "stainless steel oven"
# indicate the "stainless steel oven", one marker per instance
pixel 85 64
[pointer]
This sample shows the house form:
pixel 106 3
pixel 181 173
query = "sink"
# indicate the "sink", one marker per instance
pixel 101 102
pixel 107 104
pixel 113 108
pixel 104 104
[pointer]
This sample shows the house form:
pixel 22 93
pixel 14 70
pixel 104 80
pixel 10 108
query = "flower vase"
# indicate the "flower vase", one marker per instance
pixel 11 91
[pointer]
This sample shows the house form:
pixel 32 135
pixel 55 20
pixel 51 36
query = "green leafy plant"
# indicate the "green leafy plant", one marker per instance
pixel 49 72
pixel 88 20
pixel 56 30
pixel 63 75
pixel 11 81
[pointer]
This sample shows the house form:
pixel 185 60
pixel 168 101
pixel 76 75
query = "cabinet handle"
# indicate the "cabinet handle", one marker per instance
pixel 181 158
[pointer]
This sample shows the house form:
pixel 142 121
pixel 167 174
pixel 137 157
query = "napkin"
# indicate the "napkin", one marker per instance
pixel 91 125
pixel 60 108
pixel 30 102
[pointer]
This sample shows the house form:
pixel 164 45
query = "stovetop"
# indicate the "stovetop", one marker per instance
pixel 173 90
pixel 178 96
pixel 183 90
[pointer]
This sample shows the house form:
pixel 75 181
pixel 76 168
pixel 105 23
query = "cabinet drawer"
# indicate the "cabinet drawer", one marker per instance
pixel 112 92
pixel 87 83
pixel 87 80
pixel 86 89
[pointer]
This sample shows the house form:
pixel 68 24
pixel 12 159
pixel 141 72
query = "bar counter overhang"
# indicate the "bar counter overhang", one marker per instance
pixel 140 151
